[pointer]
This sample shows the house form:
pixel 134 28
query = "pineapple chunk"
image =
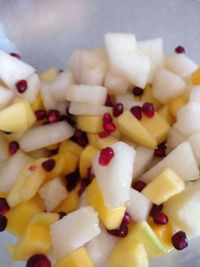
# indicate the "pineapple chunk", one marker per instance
pixel 129 255
pixel 78 258
pixel 53 193
pixel 29 181
pixel 44 218
pixel 165 112
pixel 19 216
pixel 164 186
pixel 149 97
pixel 70 204
pixel 100 143
pixel 86 159
pixel 49 75
pixel 70 146
pixel 38 104
pixel 52 147
pixel 176 104
pixel 90 124
pixel 2 194
pixel 132 129
pixel 35 240
pixel 156 126
pixel 196 77
pixel 110 217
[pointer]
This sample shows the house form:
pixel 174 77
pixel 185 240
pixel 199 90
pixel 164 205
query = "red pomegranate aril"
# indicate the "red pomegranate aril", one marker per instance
pixel 118 109
pixel 179 240
pixel 4 207
pixel 105 156
pixel 160 218
pixel 84 184
pixel 108 102
pixel 61 214
pixel 3 222
pixel 160 151
pixel 41 114
pixel 139 185
pixel 127 218
pixel 107 118
pixel 38 260
pixel 137 112
pixel 13 147
pixel 49 165
pixel 104 134
pixel 53 115
pixel 21 86
pixel 121 232
pixel 109 127
pixel 80 138
pixel 148 109
pixel 137 91
pixel 155 208
pixel 179 49
pixel 15 55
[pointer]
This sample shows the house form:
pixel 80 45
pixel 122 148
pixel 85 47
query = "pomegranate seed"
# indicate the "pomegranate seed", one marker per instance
pixel 61 214
pixel 107 118
pixel 137 91
pixel 121 232
pixel 160 151
pixel 41 114
pixel 180 49
pixel 179 240
pixel 109 127
pixel 104 134
pixel 49 165
pixel 80 138
pixel 3 222
pixel 15 55
pixel 137 112
pixel 72 180
pixel 155 208
pixel 139 185
pixel 148 109
pixel 4 207
pixel 118 109
pixel 106 156
pixel 160 218
pixel 21 86
pixel 127 218
pixel 108 102
pixel 38 260
pixel 13 147
pixel 53 115
pixel 84 184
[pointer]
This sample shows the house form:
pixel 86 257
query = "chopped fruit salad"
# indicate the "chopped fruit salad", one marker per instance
pixel 99 162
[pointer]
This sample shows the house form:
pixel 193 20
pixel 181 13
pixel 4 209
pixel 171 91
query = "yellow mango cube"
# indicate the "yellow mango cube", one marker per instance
pixel 20 216
pixel 44 218
pixel 90 124
pixel 2 194
pixel 35 240
pixel 176 104
pixel 49 75
pixel 38 104
pixel 78 258
pixel 164 186
pixel 196 77
pixel 70 146
pixel 157 126
pixel 52 147
pixel 86 159
pixel 70 204
pixel 100 143
pixel 148 96
pixel 165 112
pixel 133 130
pixel 111 218
pixel 129 255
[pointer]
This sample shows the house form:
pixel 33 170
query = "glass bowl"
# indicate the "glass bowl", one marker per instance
pixel 45 32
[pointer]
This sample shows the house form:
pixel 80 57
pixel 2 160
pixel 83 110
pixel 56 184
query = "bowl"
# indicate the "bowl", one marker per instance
pixel 45 33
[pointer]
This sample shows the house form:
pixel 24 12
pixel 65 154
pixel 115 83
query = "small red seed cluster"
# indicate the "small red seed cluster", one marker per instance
pixel 147 109
pixel 122 231
pixel 4 208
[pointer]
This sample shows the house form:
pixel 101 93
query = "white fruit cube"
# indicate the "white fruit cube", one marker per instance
pixel 164 186
pixel 174 139
pixel 126 59
pixel 74 231
pixel 183 210
pixel 115 83
pixel 181 160
pixel 6 96
pixel 128 100
pixel 114 180
pixel 76 108
pixel 3 148
pixel 47 98
pixel 53 193
pixel 188 119
pixel 91 94
pixel 167 85
pixel 195 143
pixel 33 88
pixel 138 206
pixel 195 94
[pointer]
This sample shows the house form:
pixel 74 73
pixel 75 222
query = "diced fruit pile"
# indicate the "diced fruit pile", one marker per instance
pixel 99 163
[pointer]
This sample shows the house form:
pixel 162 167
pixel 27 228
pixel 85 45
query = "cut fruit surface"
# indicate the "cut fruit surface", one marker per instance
pixel 90 124
pixel 76 108
pixel 86 159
